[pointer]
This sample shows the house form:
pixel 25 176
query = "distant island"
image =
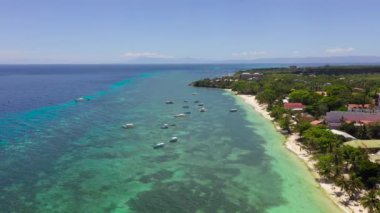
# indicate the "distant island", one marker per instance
pixel 331 115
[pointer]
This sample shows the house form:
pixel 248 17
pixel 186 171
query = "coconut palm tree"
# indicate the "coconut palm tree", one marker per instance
pixel 371 202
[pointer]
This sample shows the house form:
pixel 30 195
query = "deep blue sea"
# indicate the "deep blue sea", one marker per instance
pixel 58 155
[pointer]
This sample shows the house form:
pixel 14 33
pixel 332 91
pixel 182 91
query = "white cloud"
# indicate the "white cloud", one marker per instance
pixel 340 50
pixel 250 54
pixel 134 55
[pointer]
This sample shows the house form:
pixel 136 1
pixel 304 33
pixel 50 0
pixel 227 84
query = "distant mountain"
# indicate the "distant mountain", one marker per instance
pixel 315 60
pixel 306 60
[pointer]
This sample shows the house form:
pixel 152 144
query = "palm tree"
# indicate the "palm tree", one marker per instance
pixel 371 202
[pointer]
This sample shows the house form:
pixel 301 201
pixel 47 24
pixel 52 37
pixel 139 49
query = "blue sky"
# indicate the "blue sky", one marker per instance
pixel 117 31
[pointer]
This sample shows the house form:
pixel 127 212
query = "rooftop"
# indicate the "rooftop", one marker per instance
pixel 365 144
pixel 339 116
pixel 293 105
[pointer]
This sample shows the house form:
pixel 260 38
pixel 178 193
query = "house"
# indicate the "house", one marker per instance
pixel 245 76
pixel 294 106
pixel 250 76
pixel 359 107
pixel 335 118
pixel 316 122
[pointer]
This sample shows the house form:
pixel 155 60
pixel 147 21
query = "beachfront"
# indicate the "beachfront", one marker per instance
pixel 292 144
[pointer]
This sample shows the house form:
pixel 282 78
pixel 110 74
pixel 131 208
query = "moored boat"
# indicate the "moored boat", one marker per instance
pixel 181 115
pixel 233 110
pixel 80 99
pixel 158 145
pixel 173 140
pixel 169 102
pixel 165 126
pixel 202 109
pixel 128 126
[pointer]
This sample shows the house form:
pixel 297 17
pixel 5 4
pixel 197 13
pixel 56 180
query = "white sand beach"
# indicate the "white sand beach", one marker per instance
pixel 293 145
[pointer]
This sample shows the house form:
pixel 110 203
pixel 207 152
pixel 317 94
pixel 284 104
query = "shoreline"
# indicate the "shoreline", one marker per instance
pixel 291 143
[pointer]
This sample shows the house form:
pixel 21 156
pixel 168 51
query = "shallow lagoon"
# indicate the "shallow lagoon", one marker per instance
pixel 76 157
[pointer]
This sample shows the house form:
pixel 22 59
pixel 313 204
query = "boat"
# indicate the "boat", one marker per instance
pixel 202 109
pixel 196 102
pixel 185 107
pixel 173 140
pixel 194 93
pixel 80 99
pixel 128 126
pixel 201 104
pixel 187 113
pixel 169 102
pixel 185 101
pixel 181 115
pixel 233 110
pixel 165 126
pixel 158 145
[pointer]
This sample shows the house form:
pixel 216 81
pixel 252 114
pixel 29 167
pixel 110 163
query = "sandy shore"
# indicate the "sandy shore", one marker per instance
pixel 293 145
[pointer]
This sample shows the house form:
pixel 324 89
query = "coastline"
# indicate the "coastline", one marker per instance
pixel 292 144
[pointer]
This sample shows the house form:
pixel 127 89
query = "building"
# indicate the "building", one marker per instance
pixel 359 108
pixel 317 122
pixel 294 106
pixel 245 76
pixel 371 146
pixel 335 118
pixel 250 76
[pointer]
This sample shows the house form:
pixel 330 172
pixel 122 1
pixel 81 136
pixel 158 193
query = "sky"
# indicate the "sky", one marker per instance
pixel 120 31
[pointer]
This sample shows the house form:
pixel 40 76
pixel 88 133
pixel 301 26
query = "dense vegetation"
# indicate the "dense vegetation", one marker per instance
pixel 321 89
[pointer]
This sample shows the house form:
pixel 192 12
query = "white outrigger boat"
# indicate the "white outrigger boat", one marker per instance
pixel 181 115
pixel 173 140
pixel 128 126
pixel 81 99
pixel 169 102
pixel 202 109
pixel 233 110
pixel 165 126
pixel 158 145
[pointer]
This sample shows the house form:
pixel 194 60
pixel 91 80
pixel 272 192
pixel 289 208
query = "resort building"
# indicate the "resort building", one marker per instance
pixel 335 118
pixel 359 108
pixel 294 106
pixel 371 146
pixel 245 76
pixel 250 76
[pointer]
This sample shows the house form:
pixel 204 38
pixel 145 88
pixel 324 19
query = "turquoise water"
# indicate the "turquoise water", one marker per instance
pixel 75 157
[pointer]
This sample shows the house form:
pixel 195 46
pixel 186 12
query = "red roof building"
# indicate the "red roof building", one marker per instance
pixel 294 106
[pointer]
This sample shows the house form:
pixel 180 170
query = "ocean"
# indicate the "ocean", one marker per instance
pixel 59 155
